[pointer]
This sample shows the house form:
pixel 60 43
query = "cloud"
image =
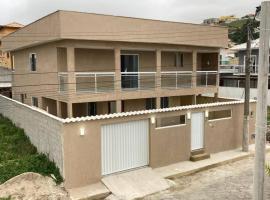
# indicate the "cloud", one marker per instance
pixel 26 11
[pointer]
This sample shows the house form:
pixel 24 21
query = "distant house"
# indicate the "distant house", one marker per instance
pixel 5 59
pixel 211 21
pixel 241 51
pixel 233 75
pixel 5 81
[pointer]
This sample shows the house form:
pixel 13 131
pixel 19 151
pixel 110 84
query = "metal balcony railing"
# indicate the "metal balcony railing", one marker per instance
pixel 206 78
pixel 176 79
pixel 95 81
pixel 105 81
pixel 138 80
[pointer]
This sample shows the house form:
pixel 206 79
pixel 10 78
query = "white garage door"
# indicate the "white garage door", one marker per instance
pixel 124 146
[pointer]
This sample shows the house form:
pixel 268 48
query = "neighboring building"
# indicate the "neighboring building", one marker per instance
pixel 211 21
pixel 233 75
pixel 228 19
pixel 227 57
pixel 5 59
pixel 129 64
pixel 5 81
pixel 220 20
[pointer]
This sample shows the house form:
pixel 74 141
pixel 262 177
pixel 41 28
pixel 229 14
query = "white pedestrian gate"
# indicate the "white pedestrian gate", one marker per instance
pixel 124 146
pixel 197 131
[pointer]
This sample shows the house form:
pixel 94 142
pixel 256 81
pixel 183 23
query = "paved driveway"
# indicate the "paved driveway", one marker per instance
pixel 232 181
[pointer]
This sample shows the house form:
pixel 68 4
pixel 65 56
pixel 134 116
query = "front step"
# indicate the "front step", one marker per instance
pixel 199 155
pixel 197 152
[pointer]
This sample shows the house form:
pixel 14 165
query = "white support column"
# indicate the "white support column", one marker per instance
pixel 157 102
pixel 117 69
pixel 158 69
pixel 117 78
pixel 69 110
pixel 158 76
pixel 118 106
pixel 71 70
pixel 194 68
pixel 58 109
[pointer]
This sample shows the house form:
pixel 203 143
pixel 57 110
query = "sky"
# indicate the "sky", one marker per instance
pixel 194 11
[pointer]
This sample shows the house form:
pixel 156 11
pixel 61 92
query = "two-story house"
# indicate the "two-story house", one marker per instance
pixel 75 64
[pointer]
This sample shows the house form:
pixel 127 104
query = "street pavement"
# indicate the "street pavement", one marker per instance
pixel 232 181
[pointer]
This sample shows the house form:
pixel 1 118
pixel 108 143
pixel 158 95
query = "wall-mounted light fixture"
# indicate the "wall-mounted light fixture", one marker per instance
pixel 82 131
pixel 206 114
pixel 188 115
pixel 153 120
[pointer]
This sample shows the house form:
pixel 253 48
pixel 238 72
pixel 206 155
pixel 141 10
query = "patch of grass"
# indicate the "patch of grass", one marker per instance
pixel 18 155
pixel 6 198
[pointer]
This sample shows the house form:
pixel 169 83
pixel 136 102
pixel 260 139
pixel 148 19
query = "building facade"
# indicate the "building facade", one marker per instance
pixel 104 94
pixel 73 70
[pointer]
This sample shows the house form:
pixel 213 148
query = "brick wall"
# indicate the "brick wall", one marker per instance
pixel 43 129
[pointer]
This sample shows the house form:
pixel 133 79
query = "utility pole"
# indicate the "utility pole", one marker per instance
pixel 245 141
pixel 261 109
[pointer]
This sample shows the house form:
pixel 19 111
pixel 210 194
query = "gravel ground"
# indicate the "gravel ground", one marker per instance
pixel 232 181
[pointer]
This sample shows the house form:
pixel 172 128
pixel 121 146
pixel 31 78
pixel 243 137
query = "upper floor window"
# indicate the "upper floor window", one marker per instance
pixel 33 62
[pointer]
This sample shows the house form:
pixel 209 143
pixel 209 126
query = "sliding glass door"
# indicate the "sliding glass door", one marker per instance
pixel 129 71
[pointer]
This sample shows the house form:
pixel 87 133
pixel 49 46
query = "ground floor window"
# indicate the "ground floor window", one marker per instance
pixel 164 102
pixel 150 104
pixel 35 101
pixel 92 109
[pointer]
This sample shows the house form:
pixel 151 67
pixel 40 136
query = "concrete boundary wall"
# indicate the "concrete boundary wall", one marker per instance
pixel 78 155
pixel 239 93
pixel 44 130
pixel 167 146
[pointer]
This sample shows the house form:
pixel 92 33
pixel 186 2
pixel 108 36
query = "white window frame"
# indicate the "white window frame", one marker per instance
pixel 30 60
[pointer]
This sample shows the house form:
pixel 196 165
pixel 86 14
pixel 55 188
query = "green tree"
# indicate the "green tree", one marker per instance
pixel 238 30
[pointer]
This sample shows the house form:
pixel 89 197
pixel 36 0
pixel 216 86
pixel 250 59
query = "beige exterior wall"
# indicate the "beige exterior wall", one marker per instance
pixel 61 25
pixel 134 105
pixel 83 152
pixel 74 153
pixel 92 57
pixel 94 60
pixel 168 61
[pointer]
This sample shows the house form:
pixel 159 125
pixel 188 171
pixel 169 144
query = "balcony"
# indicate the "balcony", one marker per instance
pixel 95 81
pixel 138 80
pixel 104 82
pixel 238 69
pixel 176 79
pixel 206 78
